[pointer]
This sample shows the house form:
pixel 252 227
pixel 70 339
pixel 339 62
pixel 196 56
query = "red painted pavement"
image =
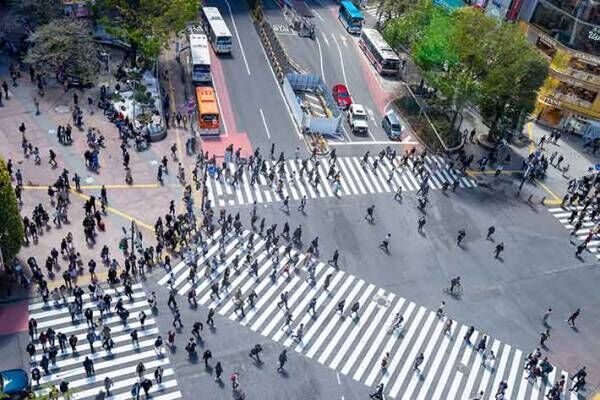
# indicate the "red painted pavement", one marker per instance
pixel 233 136
pixel 13 318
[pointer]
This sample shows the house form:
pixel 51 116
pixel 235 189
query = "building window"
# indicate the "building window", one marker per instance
pixel 557 24
pixel 545 47
pixel 587 39
pixel 575 95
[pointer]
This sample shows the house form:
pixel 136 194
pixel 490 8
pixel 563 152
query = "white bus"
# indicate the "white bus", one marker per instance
pixel 381 55
pixel 199 58
pixel 216 29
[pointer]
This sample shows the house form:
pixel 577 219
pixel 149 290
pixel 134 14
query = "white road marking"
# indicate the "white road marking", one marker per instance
pixel 262 115
pixel 325 39
pixel 237 35
pixel 341 59
pixel 321 60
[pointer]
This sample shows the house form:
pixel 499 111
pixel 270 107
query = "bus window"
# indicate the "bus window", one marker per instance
pixel 351 17
pixel 208 111
pixel 216 29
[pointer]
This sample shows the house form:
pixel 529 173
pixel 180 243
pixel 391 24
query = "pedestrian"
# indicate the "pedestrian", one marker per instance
pixel 158 374
pixel 88 365
pixel 378 394
pixel 108 383
pixel 418 361
pixel 385 243
pixel 544 336
pixel 255 353
pixel 573 317
pixel 334 259
pixel 218 371
pixel 146 385
pixel 282 360
pixel 37 106
pixel 207 355
pixel 546 316
pixel 499 249
pixel 421 223
pixel 490 232
pixel 370 214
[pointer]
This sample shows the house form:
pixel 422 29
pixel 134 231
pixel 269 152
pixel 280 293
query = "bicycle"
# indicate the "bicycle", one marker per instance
pixel 456 291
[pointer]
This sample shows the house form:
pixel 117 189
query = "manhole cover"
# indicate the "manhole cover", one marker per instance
pixel 381 301
pixel 462 368
pixel 62 109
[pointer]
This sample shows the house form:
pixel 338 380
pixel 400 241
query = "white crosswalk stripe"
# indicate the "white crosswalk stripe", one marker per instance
pixel 119 363
pixel 569 217
pixel 354 179
pixel 452 369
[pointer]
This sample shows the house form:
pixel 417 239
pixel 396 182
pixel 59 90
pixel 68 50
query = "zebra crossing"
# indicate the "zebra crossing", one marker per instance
pixel 355 179
pixel 453 369
pixel 562 214
pixel 119 363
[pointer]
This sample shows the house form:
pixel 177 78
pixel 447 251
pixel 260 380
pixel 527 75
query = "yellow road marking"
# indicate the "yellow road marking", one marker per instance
pixel 79 279
pixel 530 134
pixel 550 192
pixel 117 212
pixel 118 186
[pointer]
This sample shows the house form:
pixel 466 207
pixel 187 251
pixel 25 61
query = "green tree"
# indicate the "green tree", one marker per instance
pixel 471 57
pixel 64 45
pixel 40 11
pixel 11 225
pixel 509 89
pixel 146 24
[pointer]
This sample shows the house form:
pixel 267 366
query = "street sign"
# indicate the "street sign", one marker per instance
pixel 597 167
pixel 211 169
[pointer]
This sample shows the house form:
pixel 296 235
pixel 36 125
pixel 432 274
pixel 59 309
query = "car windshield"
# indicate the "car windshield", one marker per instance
pixel 343 95
pixel 396 127
pixel 360 117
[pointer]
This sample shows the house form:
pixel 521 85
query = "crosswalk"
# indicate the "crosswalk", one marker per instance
pixel 563 215
pixel 452 369
pixel 119 364
pixel 354 180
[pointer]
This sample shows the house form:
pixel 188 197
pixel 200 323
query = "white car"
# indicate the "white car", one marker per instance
pixel 358 119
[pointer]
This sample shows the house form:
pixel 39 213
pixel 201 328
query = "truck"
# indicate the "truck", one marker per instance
pixel 357 119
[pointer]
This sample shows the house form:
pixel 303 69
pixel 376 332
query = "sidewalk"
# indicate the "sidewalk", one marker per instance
pixel 142 201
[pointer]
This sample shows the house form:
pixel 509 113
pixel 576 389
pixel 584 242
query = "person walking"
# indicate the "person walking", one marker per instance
pixel 420 224
pixel 207 355
pixel 546 316
pixel 385 243
pixel 544 336
pixel 255 353
pixel 573 317
pixel 370 214
pixel 499 249
pixel 158 374
pixel 218 371
pixel 378 394
pixel 418 361
pixel 282 360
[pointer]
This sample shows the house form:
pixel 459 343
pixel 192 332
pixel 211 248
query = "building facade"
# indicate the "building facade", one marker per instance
pixel 567 32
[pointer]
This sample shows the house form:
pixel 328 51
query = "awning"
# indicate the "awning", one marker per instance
pixel 591 130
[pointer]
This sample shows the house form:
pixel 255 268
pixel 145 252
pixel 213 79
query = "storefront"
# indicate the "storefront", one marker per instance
pixel 571 93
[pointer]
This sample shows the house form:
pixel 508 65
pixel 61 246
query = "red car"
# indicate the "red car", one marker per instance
pixel 341 96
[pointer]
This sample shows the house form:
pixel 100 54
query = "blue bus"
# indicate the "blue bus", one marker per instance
pixel 351 17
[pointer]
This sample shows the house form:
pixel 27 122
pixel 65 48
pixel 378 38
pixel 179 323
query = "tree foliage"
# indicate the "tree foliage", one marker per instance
pixel 40 11
pixel 64 45
pixel 471 57
pixel 11 225
pixel 146 24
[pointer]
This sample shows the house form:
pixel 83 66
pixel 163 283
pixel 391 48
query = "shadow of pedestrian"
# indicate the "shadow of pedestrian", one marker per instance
pixel 284 373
